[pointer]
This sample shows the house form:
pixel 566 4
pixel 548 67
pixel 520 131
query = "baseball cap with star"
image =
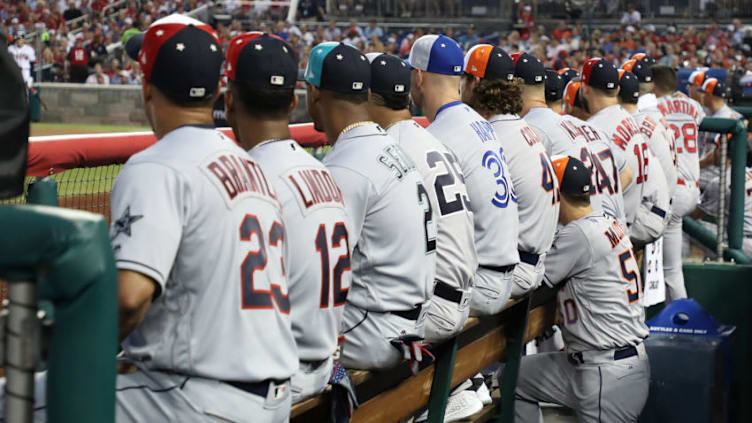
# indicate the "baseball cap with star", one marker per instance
pixel 529 68
pixel 568 74
pixel 261 61
pixel 600 73
pixel 437 54
pixel 574 177
pixel 697 78
pixel 489 62
pixel 640 70
pixel 182 57
pixel 715 88
pixel 629 86
pixel 338 67
pixel 554 85
pixel 571 93
pixel 389 74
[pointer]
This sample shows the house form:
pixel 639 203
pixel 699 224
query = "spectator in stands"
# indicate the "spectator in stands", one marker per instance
pixel 97 48
pixel 117 75
pixel 469 38
pixel 372 29
pixel 560 30
pixel 98 77
pixel 332 33
pixel 631 16
pixel 311 10
pixel 78 63
pixel 72 12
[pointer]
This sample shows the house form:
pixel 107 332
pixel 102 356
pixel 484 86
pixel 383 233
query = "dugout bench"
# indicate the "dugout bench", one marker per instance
pixel 391 395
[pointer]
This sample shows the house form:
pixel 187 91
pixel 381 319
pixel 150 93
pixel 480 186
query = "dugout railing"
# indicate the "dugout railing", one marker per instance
pixel 737 142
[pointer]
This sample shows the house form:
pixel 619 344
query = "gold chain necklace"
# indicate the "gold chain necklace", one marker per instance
pixel 352 126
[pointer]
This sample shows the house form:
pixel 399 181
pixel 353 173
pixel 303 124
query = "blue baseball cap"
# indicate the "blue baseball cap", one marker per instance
pixel 437 54
pixel 338 67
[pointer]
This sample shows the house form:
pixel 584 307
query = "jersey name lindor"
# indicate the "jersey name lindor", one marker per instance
pixel 315 188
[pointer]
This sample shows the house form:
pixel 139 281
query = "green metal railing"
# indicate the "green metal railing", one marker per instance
pixel 738 151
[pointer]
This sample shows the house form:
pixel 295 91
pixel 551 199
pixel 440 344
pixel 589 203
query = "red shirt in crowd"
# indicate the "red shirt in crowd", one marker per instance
pixel 78 56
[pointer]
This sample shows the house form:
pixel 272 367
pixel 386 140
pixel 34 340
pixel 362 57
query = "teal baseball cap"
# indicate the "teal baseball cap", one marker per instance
pixel 338 67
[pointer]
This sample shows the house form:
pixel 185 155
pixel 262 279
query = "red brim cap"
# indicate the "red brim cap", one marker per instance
pixel 261 61
pixel 600 73
pixel 182 57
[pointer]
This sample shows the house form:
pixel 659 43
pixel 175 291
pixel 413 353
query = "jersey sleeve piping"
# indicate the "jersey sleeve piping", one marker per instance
pixel 146 270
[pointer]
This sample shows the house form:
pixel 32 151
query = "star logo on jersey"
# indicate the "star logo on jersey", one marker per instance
pixel 123 225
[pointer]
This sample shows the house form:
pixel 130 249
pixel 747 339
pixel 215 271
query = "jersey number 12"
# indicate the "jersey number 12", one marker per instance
pixel 339 238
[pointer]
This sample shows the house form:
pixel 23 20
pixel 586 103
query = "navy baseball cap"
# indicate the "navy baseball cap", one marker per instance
pixel 574 177
pixel 600 73
pixel 338 67
pixel 644 58
pixel 133 45
pixel 640 69
pixel 437 54
pixel 389 74
pixel 629 86
pixel 568 74
pixel 554 85
pixel 714 87
pixel 182 57
pixel 260 61
pixel 529 68
pixel 489 62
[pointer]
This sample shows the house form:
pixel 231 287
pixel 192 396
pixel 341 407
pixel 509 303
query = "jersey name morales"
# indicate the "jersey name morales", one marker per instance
pixel 238 177
pixel 615 233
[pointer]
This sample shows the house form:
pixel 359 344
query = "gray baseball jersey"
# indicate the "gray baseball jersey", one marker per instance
pixel 625 135
pixel 600 302
pixel 709 140
pixel 684 116
pixel 660 142
pixel 198 216
pixel 456 258
pixel 392 232
pixel 534 182
pixel 493 200
pixel 318 245
pixel 568 136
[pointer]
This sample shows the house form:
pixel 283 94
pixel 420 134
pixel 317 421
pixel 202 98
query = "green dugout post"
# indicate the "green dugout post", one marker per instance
pixel 67 254
pixel 738 151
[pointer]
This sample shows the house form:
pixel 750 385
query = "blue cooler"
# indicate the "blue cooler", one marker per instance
pixel 689 354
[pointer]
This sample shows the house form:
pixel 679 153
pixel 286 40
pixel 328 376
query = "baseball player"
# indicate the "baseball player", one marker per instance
pixel 651 121
pixel 572 101
pixel 567 75
pixel 653 213
pixel 24 56
pixel 456 258
pixel 554 90
pixel 683 116
pixel 489 87
pixel 647 98
pixel 714 94
pixel 437 63
pixel 599 89
pixel 262 73
pixel 567 135
pixel 694 84
pixel 604 373
pixel 199 240
pixel 393 259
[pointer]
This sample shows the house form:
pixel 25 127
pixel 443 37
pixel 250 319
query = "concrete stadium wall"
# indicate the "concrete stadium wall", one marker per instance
pixel 109 105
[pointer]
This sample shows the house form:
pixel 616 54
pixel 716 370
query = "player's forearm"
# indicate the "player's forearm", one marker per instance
pixel 129 320
pixel 135 292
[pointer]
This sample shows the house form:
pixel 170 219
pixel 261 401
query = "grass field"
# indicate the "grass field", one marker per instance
pixel 44 128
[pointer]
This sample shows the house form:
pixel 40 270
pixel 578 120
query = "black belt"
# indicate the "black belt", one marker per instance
pixel 446 292
pixel 620 354
pixel 257 388
pixel 529 258
pixel 409 314
pixel 659 211
pixel 625 352
pixel 500 269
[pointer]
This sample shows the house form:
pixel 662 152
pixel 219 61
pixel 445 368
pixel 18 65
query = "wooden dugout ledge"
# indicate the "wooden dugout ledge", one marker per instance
pixel 388 396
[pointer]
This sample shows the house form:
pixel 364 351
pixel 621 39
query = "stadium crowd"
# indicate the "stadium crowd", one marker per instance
pixel 83 50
